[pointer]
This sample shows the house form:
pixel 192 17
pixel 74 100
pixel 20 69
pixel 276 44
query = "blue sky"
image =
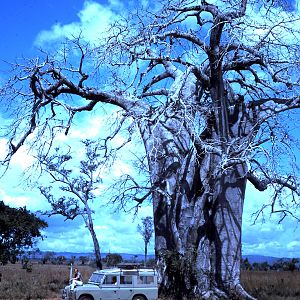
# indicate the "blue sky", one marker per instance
pixel 27 25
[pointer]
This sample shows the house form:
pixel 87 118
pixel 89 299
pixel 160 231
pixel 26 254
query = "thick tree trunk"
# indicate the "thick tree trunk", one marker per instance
pixel 201 254
pixel 198 198
pixel 197 216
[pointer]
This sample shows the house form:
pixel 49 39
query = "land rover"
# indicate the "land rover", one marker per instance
pixel 122 283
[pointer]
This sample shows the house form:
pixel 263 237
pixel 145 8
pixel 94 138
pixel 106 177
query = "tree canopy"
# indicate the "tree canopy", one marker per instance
pixel 19 229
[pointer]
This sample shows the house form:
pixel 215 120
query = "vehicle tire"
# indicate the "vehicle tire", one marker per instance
pixel 139 297
pixel 85 297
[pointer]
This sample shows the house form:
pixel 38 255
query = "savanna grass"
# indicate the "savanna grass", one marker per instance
pixel 272 285
pixel 44 282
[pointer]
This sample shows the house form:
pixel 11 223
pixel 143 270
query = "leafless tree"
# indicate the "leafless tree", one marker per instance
pixel 146 230
pixel 78 180
pixel 211 88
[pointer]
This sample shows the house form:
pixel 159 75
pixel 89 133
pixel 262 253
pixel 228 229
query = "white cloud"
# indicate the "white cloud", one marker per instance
pixel 85 131
pixel 13 199
pixel 21 158
pixel 98 227
pixel 71 240
pixel 94 20
pixel 266 236
pixel 3 148
pixel 116 232
pixel 257 26
pixel 294 244
pixel 120 168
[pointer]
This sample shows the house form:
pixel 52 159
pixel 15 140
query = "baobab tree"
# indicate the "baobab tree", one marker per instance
pixel 210 88
pixel 79 180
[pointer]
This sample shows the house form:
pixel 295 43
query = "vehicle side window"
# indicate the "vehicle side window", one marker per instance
pixel 126 279
pixel 145 279
pixel 110 279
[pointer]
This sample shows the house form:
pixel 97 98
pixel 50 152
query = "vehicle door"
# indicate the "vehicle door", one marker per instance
pixel 110 288
pixel 147 285
pixel 126 287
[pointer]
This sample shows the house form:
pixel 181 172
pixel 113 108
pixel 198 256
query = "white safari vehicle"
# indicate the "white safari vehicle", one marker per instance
pixel 122 283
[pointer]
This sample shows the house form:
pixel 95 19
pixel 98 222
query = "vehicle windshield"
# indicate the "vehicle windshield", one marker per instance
pixel 96 278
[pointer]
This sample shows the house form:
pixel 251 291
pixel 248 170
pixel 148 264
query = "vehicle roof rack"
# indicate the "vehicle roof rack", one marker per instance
pixel 129 266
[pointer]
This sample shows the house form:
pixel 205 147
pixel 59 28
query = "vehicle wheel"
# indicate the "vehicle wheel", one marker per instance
pixel 85 297
pixel 139 297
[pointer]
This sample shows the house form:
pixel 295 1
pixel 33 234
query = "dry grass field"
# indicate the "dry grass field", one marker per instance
pixel 46 281
pixel 272 285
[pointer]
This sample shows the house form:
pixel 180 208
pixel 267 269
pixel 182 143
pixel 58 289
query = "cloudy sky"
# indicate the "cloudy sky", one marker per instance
pixel 27 25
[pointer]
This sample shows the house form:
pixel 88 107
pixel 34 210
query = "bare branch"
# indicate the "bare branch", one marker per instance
pixel 262 183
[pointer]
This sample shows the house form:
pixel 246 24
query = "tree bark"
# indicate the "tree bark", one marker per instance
pixel 146 252
pixel 198 238
pixel 198 209
pixel 97 251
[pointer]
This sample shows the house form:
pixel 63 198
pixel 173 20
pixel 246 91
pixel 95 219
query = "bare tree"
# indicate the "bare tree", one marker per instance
pixel 210 88
pixel 146 230
pixel 78 181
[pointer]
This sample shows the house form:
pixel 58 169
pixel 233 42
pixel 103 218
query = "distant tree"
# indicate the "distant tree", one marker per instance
pixel 255 266
pixel 245 264
pixel 83 259
pixel 264 266
pixel 292 264
pixel 19 229
pixel 61 259
pixel 146 230
pixel 112 259
pixel 285 264
pixel 278 264
pixel 134 258
pixel 48 256
pixel 72 259
pixel 78 180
